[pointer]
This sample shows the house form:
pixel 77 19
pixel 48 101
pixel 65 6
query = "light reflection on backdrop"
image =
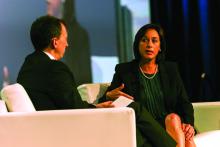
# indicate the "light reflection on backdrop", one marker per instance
pixel 140 11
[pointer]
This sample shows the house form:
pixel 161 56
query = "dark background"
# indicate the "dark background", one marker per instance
pixel 192 35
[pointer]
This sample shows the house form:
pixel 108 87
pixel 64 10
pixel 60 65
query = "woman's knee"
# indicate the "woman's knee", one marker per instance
pixel 173 119
pixel 174 128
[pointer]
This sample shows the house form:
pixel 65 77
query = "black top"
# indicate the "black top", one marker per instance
pixel 49 83
pixel 151 96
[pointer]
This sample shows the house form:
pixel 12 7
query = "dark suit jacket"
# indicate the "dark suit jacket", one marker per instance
pixel 49 83
pixel 175 97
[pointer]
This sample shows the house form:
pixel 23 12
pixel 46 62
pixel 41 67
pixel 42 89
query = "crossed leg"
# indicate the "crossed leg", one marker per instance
pixel 175 129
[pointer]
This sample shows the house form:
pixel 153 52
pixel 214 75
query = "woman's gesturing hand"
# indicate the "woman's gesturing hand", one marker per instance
pixel 115 93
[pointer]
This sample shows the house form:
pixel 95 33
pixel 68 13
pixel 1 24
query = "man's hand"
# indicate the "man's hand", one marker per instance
pixel 115 93
pixel 107 104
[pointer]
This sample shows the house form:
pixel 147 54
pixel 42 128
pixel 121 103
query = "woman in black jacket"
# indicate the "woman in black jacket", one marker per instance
pixel 155 84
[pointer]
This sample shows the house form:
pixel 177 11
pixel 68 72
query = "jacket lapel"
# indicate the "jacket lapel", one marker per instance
pixel 134 77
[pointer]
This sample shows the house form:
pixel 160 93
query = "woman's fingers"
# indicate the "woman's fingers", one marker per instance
pixel 188 131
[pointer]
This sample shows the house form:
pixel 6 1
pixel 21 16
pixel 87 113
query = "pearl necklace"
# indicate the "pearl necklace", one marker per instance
pixel 156 69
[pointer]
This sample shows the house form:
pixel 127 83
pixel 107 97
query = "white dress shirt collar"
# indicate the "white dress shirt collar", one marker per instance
pixel 49 55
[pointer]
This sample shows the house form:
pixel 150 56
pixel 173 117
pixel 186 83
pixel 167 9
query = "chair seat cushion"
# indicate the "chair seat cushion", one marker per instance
pixel 208 139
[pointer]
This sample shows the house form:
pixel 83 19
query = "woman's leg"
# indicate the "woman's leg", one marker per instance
pixel 150 128
pixel 174 128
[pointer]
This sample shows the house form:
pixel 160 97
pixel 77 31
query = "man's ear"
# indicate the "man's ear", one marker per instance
pixel 53 43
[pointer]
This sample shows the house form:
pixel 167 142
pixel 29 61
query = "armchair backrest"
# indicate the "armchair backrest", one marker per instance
pixel 207 116
pixel 3 108
pixel 93 91
pixel 16 98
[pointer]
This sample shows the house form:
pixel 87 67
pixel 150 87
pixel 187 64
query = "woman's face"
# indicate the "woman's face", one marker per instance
pixel 149 45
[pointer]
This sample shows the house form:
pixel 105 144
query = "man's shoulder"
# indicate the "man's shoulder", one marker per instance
pixel 40 59
pixel 37 56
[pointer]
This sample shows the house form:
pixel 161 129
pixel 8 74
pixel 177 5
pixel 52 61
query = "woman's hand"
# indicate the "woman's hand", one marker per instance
pixel 115 93
pixel 188 131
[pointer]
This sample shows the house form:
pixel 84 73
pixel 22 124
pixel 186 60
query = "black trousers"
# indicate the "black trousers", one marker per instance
pixel 149 132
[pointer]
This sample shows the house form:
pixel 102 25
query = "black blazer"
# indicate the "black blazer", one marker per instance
pixel 175 97
pixel 49 83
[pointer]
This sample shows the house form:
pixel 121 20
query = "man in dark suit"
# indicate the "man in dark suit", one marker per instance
pixel 50 83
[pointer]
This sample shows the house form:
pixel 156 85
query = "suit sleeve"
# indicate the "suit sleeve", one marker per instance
pixel 184 106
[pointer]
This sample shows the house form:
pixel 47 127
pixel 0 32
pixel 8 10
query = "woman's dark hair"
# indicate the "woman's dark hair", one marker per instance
pixel 141 32
pixel 43 29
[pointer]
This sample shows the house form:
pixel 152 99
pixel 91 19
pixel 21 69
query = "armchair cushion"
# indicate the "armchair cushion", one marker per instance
pixel 208 139
pixel 16 98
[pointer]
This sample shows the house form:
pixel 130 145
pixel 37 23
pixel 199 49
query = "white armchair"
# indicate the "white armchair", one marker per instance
pixel 207 123
pixel 25 127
